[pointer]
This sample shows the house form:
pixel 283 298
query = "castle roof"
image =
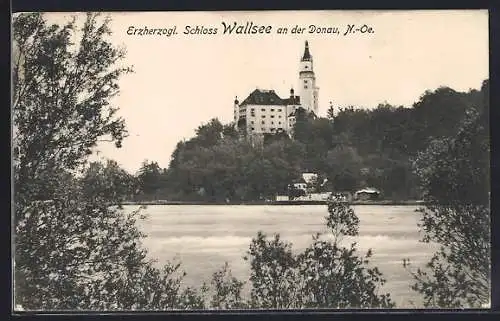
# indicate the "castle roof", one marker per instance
pixel 263 97
pixel 268 97
pixel 295 100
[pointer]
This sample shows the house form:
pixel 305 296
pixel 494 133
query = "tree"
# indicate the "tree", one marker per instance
pixel 150 178
pixel 61 97
pixel 274 274
pixel 325 275
pixel 335 276
pixel 436 115
pixel 343 168
pixel 230 131
pixel 75 248
pixel 109 179
pixel 330 114
pixel 210 133
pixel 227 290
pixel 454 174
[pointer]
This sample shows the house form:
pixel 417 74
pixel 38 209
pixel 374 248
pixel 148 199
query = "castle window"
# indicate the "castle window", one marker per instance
pixel 306 67
pixel 263 122
pixel 272 116
pixel 253 128
pixel 279 110
pixel 279 123
pixel 305 81
pixel 273 129
pixel 305 87
pixel 272 123
pixel 251 122
pixel 279 116
pixel 263 116
pixel 262 109
pixel 272 109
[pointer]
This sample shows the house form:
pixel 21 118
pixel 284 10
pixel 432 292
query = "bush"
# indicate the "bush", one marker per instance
pixel 324 275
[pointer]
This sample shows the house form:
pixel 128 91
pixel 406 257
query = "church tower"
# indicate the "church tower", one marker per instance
pixel 307 86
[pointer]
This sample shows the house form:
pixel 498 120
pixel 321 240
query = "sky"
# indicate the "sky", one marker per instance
pixel 182 81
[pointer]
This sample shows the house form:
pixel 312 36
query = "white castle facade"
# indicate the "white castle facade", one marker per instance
pixel 264 112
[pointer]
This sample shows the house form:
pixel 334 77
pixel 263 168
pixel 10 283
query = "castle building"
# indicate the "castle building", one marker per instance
pixel 264 112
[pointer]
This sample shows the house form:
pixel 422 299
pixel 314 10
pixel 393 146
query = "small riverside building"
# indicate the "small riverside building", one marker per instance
pixel 367 194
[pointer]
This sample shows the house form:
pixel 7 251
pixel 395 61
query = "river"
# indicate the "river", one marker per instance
pixel 204 237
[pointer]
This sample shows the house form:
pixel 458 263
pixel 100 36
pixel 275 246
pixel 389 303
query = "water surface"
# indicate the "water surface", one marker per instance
pixel 204 237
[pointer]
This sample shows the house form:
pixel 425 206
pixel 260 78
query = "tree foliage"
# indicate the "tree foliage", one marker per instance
pixel 325 275
pixel 352 148
pixel 230 168
pixel 227 290
pixel 61 96
pixel 151 178
pixel 75 248
pixel 454 174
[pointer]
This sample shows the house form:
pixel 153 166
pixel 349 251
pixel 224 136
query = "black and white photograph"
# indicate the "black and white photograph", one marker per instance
pixel 250 160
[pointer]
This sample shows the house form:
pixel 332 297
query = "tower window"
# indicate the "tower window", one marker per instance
pixel 263 122
pixel 262 109
pixel 272 116
pixel 279 110
pixel 305 81
pixel 272 109
pixel 306 67
pixel 263 116
pixel 251 122
pixel 253 128
pixel 305 87
pixel 272 123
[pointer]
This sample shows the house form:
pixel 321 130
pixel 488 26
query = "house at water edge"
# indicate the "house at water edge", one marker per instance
pixel 367 194
pixel 265 112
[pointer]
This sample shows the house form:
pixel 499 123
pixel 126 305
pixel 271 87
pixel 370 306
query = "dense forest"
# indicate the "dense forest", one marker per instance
pixel 352 148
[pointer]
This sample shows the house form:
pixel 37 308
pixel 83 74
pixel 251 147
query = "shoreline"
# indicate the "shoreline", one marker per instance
pixel 287 203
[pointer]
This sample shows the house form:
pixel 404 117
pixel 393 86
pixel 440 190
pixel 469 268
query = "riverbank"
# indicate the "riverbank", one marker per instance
pixel 381 202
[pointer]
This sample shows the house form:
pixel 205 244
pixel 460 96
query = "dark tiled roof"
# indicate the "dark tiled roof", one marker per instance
pixel 307 55
pixel 292 100
pixel 267 97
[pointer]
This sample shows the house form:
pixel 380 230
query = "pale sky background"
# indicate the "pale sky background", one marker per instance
pixel 183 81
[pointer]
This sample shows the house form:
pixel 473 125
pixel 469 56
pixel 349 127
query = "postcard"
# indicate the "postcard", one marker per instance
pixel 250 160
